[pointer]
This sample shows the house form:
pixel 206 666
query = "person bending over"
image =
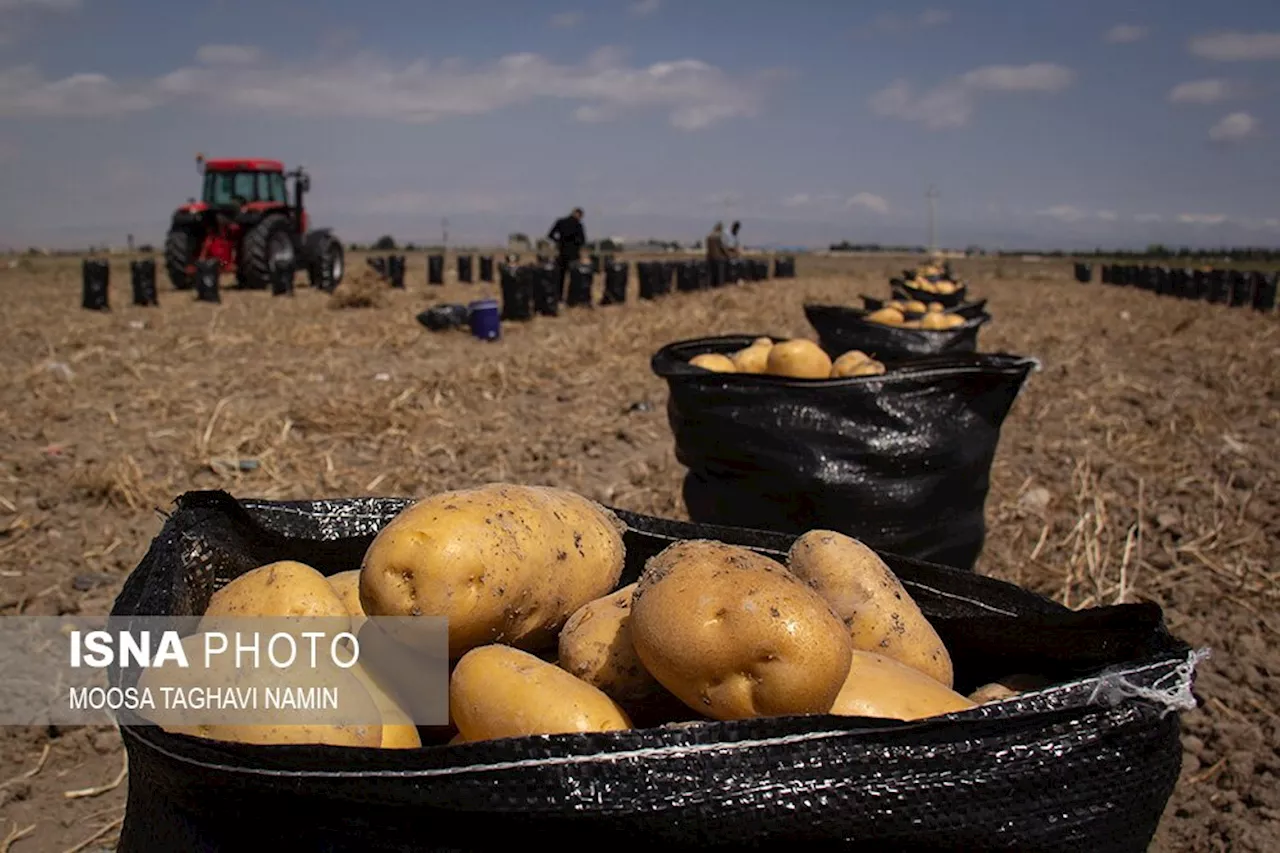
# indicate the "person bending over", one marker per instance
pixel 569 237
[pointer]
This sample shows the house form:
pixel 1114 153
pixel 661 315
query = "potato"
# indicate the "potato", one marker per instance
pixel 347 586
pixel 799 359
pixel 879 686
pixel 910 324
pixel 222 673
pixel 498 692
pixel 596 646
pixel 936 307
pixel 847 362
pixel 398 730
pixel 753 359
pixel 734 635
pixel 947 288
pixel 503 563
pixel 915 306
pixel 954 321
pixel 762 342
pixel 886 316
pixel 284 589
pixel 714 361
pixel 1007 688
pixel 870 367
pixel 860 588
pixel 934 321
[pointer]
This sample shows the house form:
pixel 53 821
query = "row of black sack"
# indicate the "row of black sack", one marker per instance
pixel 536 288
pixel 96 283
pixel 1234 288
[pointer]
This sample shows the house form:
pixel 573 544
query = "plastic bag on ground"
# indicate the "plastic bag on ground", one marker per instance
pixel 841 328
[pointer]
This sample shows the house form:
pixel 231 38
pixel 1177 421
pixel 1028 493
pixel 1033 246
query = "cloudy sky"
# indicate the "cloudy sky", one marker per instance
pixel 1065 123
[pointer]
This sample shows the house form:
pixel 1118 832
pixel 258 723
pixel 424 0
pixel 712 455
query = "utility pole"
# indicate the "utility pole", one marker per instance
pixel 444 229
pixel 932 196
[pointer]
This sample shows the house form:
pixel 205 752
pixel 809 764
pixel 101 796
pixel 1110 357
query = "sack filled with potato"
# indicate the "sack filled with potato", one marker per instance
pixel 734 635
pixel 504 563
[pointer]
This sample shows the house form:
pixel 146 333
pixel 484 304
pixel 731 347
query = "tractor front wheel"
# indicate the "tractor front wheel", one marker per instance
pixel 326 263
pixel 270 244
pixel 180 247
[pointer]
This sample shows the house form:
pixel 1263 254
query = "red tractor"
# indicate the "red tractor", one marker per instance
pixel 245 221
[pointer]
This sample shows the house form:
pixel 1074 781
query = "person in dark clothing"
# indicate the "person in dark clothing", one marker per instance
pixel 717 255
pixel 569 237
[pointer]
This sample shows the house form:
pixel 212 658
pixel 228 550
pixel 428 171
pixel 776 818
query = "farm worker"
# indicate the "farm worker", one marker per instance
pixel 717 255
pixel 731 245
pixel 569 237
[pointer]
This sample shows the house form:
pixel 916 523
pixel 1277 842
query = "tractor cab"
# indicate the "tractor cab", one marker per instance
pixel 245 221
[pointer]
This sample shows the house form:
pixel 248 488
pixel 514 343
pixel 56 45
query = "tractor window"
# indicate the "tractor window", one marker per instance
pixel 222 188
pixel 278 189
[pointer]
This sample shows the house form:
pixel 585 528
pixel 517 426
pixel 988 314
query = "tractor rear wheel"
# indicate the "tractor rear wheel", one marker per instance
pixel 326 263
pixel 180 247
pixel 270 243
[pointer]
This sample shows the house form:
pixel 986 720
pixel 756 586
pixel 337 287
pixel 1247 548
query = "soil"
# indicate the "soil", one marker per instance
pixel 1141 462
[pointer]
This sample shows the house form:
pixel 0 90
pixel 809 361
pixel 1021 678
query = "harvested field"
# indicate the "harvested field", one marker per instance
pixel 1142 461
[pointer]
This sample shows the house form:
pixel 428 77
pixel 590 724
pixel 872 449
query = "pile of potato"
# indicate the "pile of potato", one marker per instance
pixel 929 278
pixel 913 314
pixel 543 642
pixel 797 359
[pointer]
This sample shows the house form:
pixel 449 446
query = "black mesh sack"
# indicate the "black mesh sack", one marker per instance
pixel 142 276
pixel 1088 764
pixel 443 318
pixel 546 289
pixel 902 290
pixel 688 277
pixel 841 328
pixel 517 292
pixel 901 461
pixel 968 310
pixel 615 283
pixel 1264 292
pixel 1084 273
pixel 580 279
pixel 1241 287
pixel 95 285
pixel 435 269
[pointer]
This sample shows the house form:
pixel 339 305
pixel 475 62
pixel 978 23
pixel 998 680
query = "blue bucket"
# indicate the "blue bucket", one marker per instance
pixel 486 319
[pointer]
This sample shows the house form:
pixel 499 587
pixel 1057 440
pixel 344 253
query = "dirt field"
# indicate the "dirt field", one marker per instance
pixel 1143 461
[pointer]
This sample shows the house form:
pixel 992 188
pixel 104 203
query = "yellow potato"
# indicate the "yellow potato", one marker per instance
pixel 896 304
pixel 762 342
pixel 596 646
pixel 504 563
pixel 954 321
pixel 991 693
pixel 934 322
pixel 887 316
pixel 915 306
pixel 946 288
pixel 753 359
pixel 847 363
pixel 799 359
pixel 286 589
pixel 222 674
pixel 910 324
pixel 715 362
pixel 861 589
pixel 499 692
pixel 734 635
pixel 879 686
pixel 398 730
pixel 347 586
pixel 1007 688
pixel 869 367
pixel 936 307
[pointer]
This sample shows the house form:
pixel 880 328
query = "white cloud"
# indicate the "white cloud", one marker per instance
pixel 228 54
pixel 1236 47
pixel 566 20
pixel 693 93
pixel 797 200
pixel 1202 92
pixel 952 103
pixel 870 202
pixel 1107 215
pixel 1064 213
pixel 1125 34
pixel 1234 127
pixel 899 24
pixel 1148 217
pixel 645 8
pixel 1202 218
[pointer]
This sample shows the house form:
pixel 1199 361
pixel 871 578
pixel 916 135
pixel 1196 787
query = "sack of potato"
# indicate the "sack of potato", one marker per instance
pixel 929 289
pixel 900 460
pixel 968 310
pixel 896 330
pixel 929 708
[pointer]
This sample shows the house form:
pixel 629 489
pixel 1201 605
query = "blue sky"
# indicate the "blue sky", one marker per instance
pixel 1041 123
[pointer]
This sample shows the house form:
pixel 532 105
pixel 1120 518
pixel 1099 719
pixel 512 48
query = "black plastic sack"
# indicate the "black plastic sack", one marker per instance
pixel 655 279
pixel 395 271
pixel 546 289
pixel 1240 287
pixel 486 268
pixel 435 269
pixel 901 461
pixel 581 277
pixel 902 290
pixel 1086 765
pixel 464 269
pixel 717 273
pixel 615 284
pixel 842 328
pixel 1164 284
pixel 1264 292
pixel 142 279
pixel 594 263
pixel 207 272
pixel 784 267
pixel 1219 288
pixel 517 293
pixel 1084 273
pixel 687 277
pixel 95 282
pixel 1104 273
pixel 443 318
pixel 1179 283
